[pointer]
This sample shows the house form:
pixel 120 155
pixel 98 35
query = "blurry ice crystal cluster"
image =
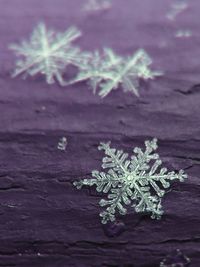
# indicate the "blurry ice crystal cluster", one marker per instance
pixel 50 53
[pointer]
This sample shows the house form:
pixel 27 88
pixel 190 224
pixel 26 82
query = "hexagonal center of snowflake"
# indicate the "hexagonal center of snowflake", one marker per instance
pixel 130 177
pixel 46 53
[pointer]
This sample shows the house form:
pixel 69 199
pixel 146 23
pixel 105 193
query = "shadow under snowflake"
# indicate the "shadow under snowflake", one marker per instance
pixel 175 259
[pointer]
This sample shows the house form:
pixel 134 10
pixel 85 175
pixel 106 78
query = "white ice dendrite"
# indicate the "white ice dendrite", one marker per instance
pixel 107 71
pixel 96 5
pixel 139 181
pixel 47 52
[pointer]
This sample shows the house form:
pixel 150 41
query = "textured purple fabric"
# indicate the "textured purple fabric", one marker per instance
pixel 44 220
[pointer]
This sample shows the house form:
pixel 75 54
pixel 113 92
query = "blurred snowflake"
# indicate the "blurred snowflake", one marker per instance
pixel 47 53
pixel 96 67
pixel 177 8
pixel 133 182
pixel 107 71
pixel 176 259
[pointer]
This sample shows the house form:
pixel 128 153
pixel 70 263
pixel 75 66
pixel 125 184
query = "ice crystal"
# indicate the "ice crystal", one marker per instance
pixel 96 5
pixel 47 52
pixel 139 181
pixel 62 144
pixel 96 67
pixel 183 34
pixel 107 71
pixel 177 8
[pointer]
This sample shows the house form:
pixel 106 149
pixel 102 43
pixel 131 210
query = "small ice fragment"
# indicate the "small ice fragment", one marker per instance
pixel 62 144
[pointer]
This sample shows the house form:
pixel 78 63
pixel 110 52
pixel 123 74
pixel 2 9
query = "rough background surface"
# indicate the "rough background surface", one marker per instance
pixel 44 220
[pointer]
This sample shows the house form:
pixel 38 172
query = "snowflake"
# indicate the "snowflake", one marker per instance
pixel 47 53
pixel 132 181
pixel 107 71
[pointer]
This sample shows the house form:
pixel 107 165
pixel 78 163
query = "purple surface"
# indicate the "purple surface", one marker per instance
pixel 44 220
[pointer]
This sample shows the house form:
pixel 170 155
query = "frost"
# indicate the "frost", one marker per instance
pixel 107 71
pixel 47 52
pixel 96 5
pixel 139 181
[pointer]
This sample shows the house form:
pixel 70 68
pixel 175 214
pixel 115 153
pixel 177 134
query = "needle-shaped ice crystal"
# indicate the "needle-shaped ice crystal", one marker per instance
pixel 139 182
pixel 47 52
pixel 108 71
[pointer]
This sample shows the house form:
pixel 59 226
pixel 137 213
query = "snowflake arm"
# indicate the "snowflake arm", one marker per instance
pixel 128 73
pixel 136 181
pixel 97 67
pixel 47 53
